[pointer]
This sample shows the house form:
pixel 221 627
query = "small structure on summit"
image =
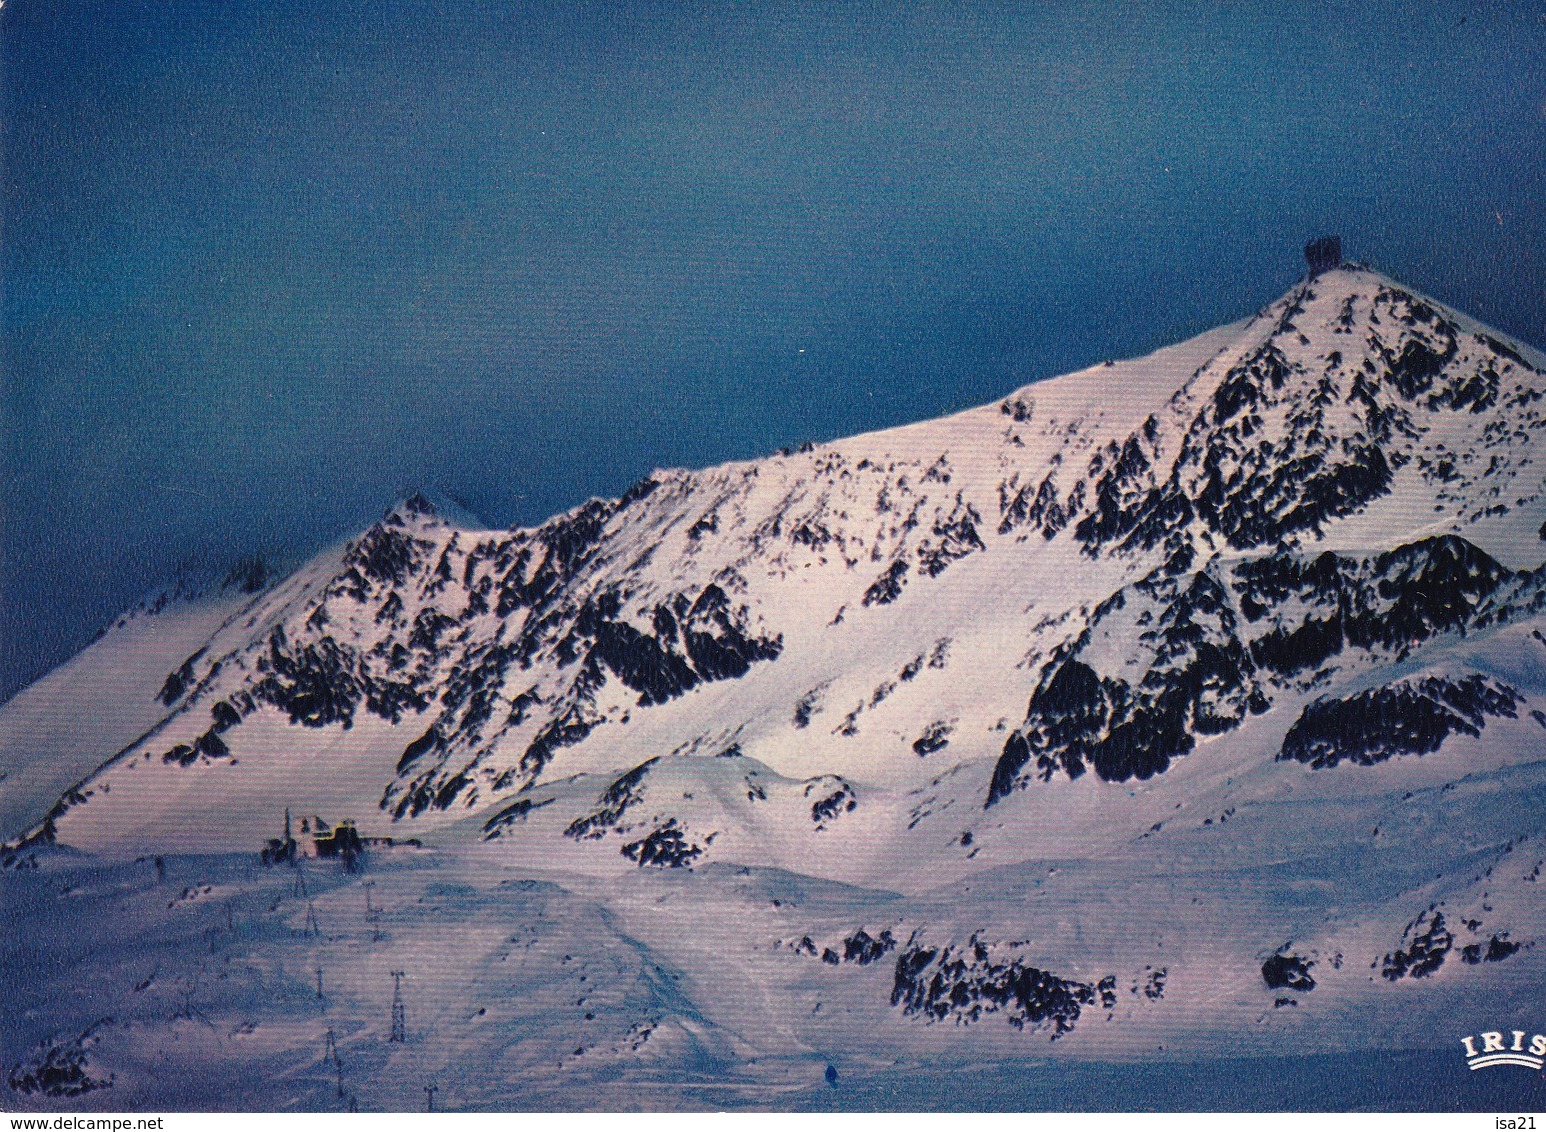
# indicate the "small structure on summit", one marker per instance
pixel 1323 254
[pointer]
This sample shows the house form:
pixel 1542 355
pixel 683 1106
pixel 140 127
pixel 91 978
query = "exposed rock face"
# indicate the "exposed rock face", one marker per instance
pixel 1495 950
pixel 1424 946
pixel 861 948
pixel 1408 717
pixel 409 663
pixel 665 847
pixel 60 1068
pixel 964 984
pixel 830 799
pixel 1196 676
pixel 1288 440
pixel 1209 648
pixel 1287 971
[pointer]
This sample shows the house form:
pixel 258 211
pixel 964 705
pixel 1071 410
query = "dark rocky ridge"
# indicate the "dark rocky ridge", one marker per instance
pixel 1424 946
pixel 60 1068
pixel 1407 717
pixel 964 984
pixel 666 847
pixel 1279 447
pixel 1276 448
pixel 434 664
pixel 1495 950
pixel 1224 640
pixel 1288 972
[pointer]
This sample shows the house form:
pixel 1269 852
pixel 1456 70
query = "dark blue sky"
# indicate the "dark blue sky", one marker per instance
pixel 269 266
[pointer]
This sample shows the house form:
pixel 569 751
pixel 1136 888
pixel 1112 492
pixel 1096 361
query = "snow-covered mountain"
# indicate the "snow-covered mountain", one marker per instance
pixel 1169 697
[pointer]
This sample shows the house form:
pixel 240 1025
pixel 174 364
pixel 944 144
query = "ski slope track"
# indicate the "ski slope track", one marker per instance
pixel 1182 707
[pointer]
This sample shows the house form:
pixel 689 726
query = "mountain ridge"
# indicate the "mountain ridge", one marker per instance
pixel 502 654
pixel 1188 706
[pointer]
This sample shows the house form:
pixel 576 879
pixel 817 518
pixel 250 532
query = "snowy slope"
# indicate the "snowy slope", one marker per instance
pixel 1191 700
pixel 59 730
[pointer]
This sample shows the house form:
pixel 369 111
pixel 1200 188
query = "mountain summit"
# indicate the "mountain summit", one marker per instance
pixel 1147 552
pixel 1229 606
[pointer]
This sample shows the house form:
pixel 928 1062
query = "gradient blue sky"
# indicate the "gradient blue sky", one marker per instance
pixel 269 266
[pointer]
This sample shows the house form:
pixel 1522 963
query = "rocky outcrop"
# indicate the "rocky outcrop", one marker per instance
pixel 1408 717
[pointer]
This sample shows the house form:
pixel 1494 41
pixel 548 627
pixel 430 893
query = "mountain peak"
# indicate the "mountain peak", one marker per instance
pixel 424 508
pixel 1246 632
pixel 843 579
